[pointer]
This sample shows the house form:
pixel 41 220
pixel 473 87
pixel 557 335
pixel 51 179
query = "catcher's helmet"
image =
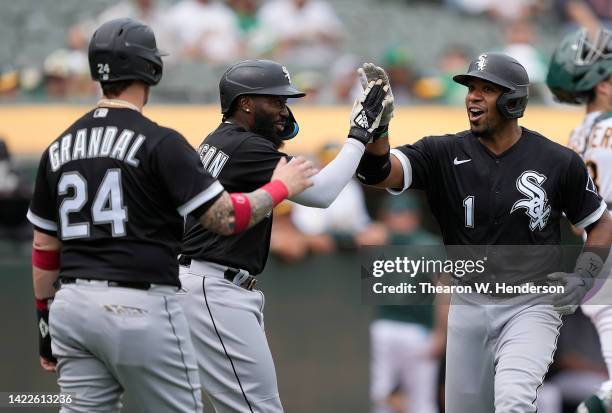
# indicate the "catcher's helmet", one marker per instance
pixel 506 72
pixel 259 77
pixel 579 64
pixel 124 49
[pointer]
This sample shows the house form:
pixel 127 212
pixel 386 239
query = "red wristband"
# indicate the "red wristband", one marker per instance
pixel 45 260
pixel 242 211
pixel 277 190
pixel 42 304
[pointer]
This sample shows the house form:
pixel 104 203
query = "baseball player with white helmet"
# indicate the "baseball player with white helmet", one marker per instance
pixel 108 207
pixel 580 73
pixel 495 185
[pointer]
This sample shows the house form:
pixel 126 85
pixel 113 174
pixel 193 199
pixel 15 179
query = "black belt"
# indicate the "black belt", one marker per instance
pixel 125 284
pixel 231 274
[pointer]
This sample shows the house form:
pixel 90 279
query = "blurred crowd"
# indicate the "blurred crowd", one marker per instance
pixel 310 38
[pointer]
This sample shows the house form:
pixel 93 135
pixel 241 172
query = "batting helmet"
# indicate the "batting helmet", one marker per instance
pixel 125 49
pixel 579 64
pixel 258 77
pixel 506 72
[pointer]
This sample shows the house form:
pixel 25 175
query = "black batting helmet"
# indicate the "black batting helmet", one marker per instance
pixel 506 72
pixel 125 49
pixel 255 77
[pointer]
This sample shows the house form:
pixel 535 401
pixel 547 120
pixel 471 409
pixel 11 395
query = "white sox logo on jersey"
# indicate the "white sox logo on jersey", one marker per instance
pixel 536 204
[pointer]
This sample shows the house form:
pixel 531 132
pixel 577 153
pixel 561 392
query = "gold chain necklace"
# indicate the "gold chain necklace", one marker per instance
pixel 117 103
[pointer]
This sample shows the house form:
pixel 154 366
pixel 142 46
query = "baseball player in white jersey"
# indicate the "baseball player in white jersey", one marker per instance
pixel 580 73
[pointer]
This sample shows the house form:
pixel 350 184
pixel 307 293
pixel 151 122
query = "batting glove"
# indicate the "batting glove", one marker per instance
pixel 576 284
pixel 367 111
pixel 44 338
pixel 370 72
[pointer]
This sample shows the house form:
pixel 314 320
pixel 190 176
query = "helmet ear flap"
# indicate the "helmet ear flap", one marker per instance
pixel 512 104
pixel 291 127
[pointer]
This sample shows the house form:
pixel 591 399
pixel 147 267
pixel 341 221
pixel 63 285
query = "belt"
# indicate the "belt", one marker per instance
pixel 125 284
pixel 241 278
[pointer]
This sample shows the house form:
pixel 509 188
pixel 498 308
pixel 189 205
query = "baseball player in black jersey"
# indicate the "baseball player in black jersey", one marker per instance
pixel 499 184
pixel 224 312
pixel 108 207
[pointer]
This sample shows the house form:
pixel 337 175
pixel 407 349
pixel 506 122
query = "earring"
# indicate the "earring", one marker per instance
pixel 247 110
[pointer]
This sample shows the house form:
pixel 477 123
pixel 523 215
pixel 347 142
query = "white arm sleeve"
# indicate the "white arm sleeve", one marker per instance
pixel 328 183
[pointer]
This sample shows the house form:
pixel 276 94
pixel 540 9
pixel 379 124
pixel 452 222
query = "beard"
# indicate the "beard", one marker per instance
pixel 482 133
pixel 263 125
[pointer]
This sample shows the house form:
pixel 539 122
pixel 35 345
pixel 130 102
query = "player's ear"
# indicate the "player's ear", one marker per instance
pixel 245 104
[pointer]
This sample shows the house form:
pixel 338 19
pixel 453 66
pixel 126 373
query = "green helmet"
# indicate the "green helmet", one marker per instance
pixel 578 64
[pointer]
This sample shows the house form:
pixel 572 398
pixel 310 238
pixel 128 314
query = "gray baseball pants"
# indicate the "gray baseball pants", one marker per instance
pixel 227 329
pixel 498 352
pixel 111 339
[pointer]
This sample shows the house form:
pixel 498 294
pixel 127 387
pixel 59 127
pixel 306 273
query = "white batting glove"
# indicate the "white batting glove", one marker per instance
pixel 370 72
pixel 577 284
pixel 367 111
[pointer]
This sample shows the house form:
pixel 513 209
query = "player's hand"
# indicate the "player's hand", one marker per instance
pixel 576 287
pixel 370 72
pixel 295 174
pixel 48 365
pixel 367 111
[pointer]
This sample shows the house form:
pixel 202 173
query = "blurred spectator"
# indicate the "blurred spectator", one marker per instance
pixel 520 43
pixel 442 87
pixel 500 10
pixel 402 76
pixel 246 13
pixel 204 30
pixel 9 82
pixel 146 11
pixel 586 13
pixel 66 70
pixel 307 33
pixel 14 199
pixel 310 82
pixel 343 84
pixel 407 340
pixel 287 242
pixel 66 74
pixel 345 222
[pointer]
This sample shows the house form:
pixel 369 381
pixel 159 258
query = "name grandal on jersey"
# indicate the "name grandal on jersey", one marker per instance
pixel 101 142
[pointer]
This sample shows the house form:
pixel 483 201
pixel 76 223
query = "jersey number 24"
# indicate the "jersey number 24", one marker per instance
pixel 107 206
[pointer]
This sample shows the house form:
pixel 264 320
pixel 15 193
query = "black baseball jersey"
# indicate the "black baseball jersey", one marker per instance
pixel 515 198
pixel 242 161
pixel 114 188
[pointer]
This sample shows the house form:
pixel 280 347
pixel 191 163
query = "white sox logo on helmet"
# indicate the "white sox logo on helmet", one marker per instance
pixel 286 72
pixel 482 62
pixel 536 204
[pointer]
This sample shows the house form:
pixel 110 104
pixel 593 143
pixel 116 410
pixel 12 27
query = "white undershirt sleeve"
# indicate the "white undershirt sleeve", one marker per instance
pixel 333 178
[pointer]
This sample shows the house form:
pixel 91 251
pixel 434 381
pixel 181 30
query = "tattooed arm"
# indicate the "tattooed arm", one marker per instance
pixel 220 216
pixel 232 213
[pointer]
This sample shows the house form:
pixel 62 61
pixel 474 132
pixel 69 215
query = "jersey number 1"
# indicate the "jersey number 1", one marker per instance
pixel 468 206
pixel 107 207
